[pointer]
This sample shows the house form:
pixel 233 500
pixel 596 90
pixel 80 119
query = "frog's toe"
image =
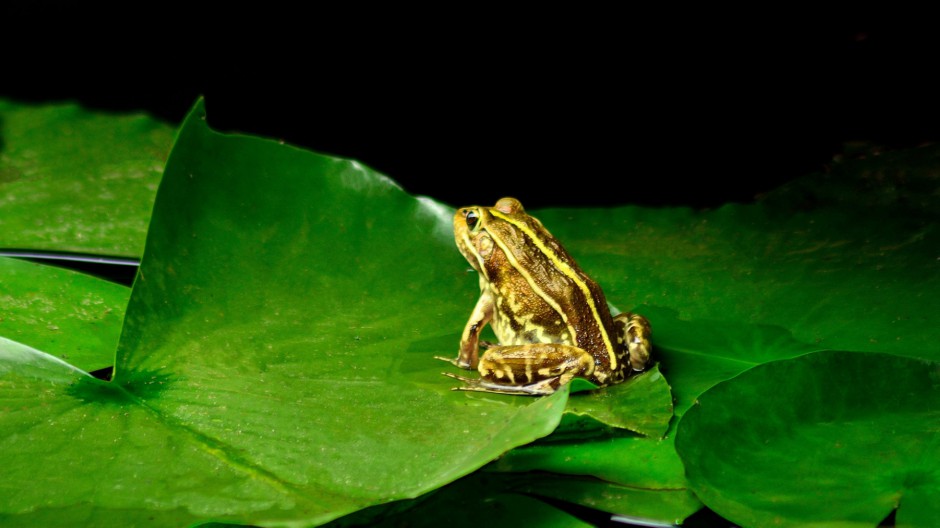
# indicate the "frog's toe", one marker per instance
pixel 540 388
pixel 454 361
pixel 456 377
pixel 469 384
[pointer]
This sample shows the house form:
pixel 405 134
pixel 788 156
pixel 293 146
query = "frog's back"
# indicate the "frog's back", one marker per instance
pixel 573 309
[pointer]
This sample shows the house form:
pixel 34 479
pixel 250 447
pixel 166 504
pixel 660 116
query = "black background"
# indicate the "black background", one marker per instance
pixel 565 106
pixel 562 106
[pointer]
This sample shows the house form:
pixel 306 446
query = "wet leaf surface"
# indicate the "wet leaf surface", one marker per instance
pixel 78 181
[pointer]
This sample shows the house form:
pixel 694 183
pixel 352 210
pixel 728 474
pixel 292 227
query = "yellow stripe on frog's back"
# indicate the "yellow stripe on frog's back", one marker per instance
pixel 566 269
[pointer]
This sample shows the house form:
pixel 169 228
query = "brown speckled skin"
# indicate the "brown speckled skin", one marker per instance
pixel 551 320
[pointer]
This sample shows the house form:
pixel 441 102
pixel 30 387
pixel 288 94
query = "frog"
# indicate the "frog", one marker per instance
pixel 551 320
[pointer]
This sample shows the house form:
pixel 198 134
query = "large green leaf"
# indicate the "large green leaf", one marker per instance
pixel 291 289
pixel 826 439
pixel 73 316
pixel 73 180
pixel 276 362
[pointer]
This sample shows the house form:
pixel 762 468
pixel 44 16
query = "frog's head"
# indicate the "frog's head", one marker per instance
pixel 478 229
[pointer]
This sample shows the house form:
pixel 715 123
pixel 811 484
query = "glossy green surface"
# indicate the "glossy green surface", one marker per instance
pixel 73 180
pixel 826 439
pixel 75 317
pixel 642 404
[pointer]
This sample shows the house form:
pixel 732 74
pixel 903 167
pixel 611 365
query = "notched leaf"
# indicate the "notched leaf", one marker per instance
pixel 264 372
pixel 91 390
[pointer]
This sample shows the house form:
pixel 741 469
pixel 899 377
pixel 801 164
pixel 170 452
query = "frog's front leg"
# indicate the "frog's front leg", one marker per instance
pixel 534 369
pixel 633 333
pixel 469 353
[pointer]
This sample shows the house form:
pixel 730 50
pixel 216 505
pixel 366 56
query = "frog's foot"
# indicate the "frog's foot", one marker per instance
pixel 455 362
pixel 539 388
pixel 635 332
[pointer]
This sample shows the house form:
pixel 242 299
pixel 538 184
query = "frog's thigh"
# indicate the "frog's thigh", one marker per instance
pixel 538 365
pixel 634 332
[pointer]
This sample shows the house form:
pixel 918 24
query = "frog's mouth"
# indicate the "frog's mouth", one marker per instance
pixel 469 252
pixel 467 221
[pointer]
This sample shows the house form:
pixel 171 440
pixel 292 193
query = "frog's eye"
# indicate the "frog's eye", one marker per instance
pixel 472 219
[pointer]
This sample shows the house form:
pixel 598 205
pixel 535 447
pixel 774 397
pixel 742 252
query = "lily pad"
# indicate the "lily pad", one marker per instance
pixel 826 439
pixel 834 277
pixel 72 316
pixel 627 475
pixel 78 181
pixel 643 507
pixel 475 500
pixel 698 354
pixel 276 361
pixel 642 404
pixel 501 499
pixel 633 461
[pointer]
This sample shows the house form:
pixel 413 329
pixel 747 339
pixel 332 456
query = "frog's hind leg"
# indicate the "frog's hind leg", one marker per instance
pixel 533 369
pixel 634 331
pixel 539 388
